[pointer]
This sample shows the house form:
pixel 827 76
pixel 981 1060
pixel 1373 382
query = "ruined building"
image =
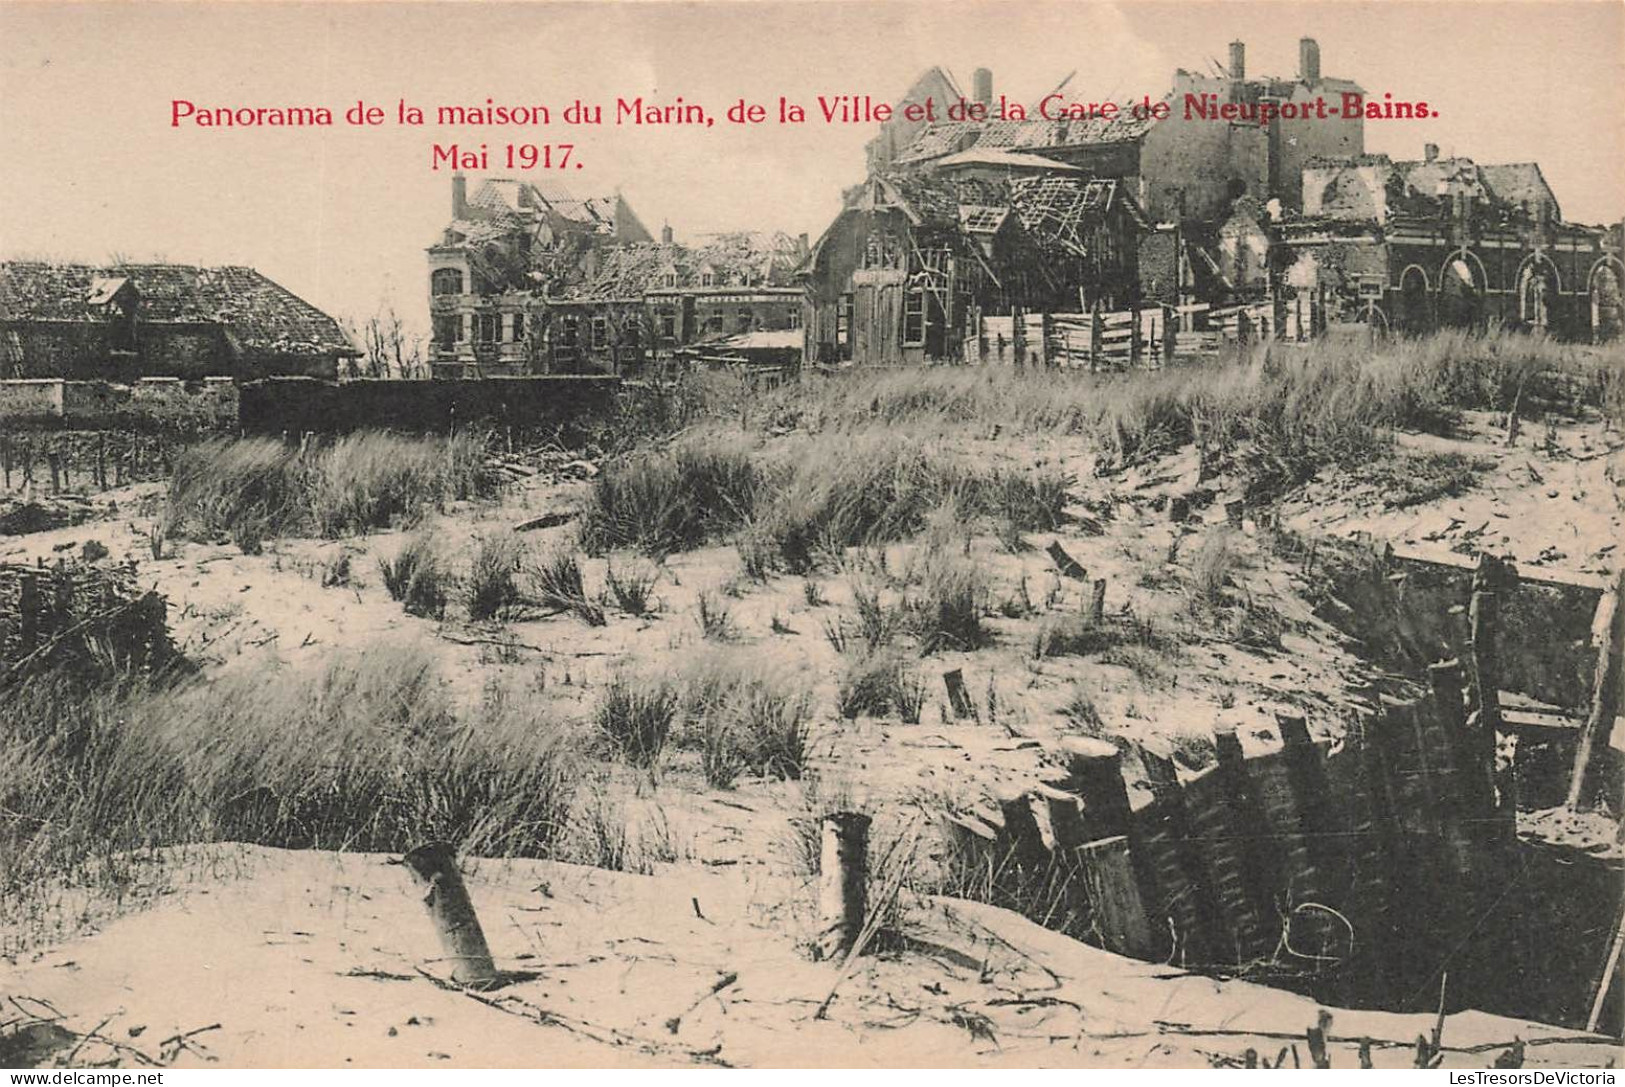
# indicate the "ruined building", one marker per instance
pixel 1449 242
pixel 913 260
pixel 527 278
pixel 1226 189
pixel 130 321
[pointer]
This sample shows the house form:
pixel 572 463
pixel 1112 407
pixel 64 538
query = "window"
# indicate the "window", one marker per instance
pixel 713 323
pixel 446 281
pixel 747 319
pixel 707 279
pixel 670 279
pixel 632 333
pixel 569 330
pixel 668 324
pixel 518 327
pixel 793 318
pixel 843 321
pixel 447 327
pixel 488 327
pixel 600 331
pixel 914 317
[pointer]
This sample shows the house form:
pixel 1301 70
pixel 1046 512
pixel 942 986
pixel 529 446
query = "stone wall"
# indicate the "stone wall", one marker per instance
pixel 556 402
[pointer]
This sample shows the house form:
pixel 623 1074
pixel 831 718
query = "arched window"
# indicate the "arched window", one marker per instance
pixel 446 281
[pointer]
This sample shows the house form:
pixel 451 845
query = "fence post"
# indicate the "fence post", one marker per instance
pixel 434 866
pixel 55 460
pixel 843 875
pixel 1135 347
pixel 1609 633
pixel 1096 331
pixel 1170 336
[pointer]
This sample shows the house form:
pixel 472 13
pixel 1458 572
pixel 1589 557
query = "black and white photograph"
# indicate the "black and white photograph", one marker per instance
pixel 798 534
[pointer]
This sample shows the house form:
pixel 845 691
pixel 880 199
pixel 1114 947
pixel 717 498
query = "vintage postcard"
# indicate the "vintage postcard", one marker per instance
pixel 791 534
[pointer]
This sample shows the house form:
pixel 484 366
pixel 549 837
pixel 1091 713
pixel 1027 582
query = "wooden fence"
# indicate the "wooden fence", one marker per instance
pixel 1134 338
pixel 1368 870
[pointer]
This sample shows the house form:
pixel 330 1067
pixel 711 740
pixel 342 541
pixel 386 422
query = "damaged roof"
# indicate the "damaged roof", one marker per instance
pixel 256 312
pixel 737 259
pixel 1035 135
pixel 1052 208
pixel 1511 185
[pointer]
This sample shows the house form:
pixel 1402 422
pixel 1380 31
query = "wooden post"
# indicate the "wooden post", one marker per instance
pixel 1484 616
pixel 1095 772
pixel 1169 337
pixel 1608 634
pixel 434 866
pixel 1135 344
pixel 1234 511
pixel 1068 565
pixel 843 877
pixel 1096 333
pixel 5 458
pixel 55 460
pixel 958 697
pixel 1173 864
pixel 101 460
pixel 1097 602
pixel 1045 331
pixel 1065 818
pixel 1114 896
pixel 1019 839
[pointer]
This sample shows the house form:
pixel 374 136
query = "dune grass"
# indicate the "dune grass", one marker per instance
pixel 367 753
pixel 252 489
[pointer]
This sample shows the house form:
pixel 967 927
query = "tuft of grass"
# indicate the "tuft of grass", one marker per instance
pixel 417 577
pixel 1082 715
pixel 715 620
pixel 877 624
pixel 745 714
pixel 675 499
pixel 636 716
pixel 556 582
pixel 947 611
pixel 1213 569
pixel 632 590
pixel 492 590
pixel 1194 750
pixel 879 684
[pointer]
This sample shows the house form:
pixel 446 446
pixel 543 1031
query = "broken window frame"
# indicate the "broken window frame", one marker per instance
pixel 914 316
pixel 446 281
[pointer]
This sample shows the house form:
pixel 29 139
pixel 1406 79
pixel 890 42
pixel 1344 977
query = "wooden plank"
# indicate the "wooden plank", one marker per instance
pixel 1114 896
pixel 1607 696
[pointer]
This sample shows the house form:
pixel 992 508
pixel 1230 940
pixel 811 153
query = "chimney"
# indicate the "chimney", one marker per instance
pixel 1238 61
pixel 665 234
pixel 803 245
pixel 982 84
pixel 459 195
pixel 1309 60
pixel 1430 152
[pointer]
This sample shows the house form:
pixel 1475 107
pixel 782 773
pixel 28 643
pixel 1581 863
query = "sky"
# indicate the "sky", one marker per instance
pixel 92 168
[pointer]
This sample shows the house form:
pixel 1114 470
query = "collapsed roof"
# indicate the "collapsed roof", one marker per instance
pixel 255 312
